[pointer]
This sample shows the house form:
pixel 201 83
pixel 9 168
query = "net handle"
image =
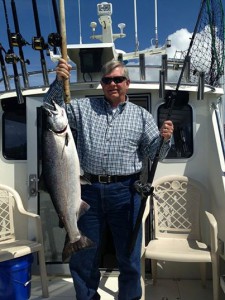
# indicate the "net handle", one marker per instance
pixel 66 81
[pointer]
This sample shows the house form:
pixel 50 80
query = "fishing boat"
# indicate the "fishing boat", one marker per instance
pixel 187 87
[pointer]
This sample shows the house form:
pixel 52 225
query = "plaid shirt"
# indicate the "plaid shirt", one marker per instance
pixel 112 142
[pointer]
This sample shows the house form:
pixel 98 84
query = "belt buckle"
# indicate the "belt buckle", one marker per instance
pixel 104 178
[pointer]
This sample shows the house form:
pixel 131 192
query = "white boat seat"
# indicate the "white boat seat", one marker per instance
pixel 189 250
pixel 10 246
pixel 177 210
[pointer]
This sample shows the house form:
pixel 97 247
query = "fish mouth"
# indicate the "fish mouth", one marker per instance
pixel 56 119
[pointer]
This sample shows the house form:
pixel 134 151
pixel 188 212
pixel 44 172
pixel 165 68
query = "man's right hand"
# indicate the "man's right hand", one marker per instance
pixel 63 70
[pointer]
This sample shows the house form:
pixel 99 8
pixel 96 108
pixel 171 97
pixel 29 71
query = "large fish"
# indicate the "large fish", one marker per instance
pixel 61 174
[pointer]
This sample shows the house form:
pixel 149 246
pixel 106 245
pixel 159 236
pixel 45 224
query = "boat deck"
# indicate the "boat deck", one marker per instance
pixel 62 288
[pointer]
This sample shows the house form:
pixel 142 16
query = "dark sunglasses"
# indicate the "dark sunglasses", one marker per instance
pixel 116 79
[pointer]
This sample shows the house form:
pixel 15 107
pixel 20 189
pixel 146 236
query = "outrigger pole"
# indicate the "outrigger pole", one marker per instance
pixel 64 48
pixel 20 42
pixel 12 59
pixel 146 190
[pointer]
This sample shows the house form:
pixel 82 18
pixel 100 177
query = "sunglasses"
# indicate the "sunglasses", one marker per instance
pixel 116 79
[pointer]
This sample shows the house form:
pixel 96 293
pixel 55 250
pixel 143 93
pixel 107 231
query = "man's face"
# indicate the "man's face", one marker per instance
pixel 115 92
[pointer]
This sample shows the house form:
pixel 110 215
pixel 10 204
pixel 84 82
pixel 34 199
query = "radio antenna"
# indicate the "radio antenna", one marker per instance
pixel 135 27
pixel 80 22
pixel 156 24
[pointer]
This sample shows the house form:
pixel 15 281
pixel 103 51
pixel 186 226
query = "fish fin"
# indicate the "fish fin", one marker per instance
pixel 81 172
pixel 84 180
pixel 83 208
pixel 70 248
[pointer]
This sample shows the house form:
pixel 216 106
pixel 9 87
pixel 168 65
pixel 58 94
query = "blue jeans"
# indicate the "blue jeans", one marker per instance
pixel 118 205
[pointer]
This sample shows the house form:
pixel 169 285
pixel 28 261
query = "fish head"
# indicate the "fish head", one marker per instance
pixel 56 117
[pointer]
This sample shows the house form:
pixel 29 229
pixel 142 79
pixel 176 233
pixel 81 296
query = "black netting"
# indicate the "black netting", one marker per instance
pixel 207 52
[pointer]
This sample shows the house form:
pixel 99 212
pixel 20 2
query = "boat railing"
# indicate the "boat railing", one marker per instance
pixel 140 72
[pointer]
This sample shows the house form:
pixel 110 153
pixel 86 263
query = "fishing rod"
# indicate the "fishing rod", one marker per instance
pixel 19 42
pixel 3 68
pixel 55 39
pixel 11 58
pixel 39 44
pixel 146 190
pixel 56 15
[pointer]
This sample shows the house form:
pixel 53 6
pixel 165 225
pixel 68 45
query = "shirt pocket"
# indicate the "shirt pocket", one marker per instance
pixel 132 140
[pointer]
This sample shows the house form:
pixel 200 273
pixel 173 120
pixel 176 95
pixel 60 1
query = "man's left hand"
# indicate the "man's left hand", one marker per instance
pixel 166 130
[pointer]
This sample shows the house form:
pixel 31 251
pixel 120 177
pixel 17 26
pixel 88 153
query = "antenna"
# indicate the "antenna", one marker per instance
pixel 135 24
pixel 156 24
pixel 80 22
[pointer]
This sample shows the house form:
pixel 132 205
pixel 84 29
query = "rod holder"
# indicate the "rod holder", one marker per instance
pixel 142 66
pixel 201 85
pixel 161 84
pixel 187 69
pixel 120 57
pixel 164 65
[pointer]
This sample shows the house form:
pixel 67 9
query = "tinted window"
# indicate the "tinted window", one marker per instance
pixel 182 141
pixel 14 135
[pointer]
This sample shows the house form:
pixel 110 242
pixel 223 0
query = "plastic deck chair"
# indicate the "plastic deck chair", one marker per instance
pixel 12 247
pixel 177 231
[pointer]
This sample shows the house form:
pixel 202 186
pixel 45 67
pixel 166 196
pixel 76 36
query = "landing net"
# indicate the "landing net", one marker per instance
pixel 207 52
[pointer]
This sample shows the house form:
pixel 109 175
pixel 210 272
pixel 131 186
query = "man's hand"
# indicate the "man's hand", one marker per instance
pixel 166 130
pixel 63 70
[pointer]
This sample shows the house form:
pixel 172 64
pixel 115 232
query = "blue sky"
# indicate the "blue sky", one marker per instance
pixel 173 15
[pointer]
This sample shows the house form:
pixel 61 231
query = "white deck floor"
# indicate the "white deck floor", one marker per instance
pixel 61 288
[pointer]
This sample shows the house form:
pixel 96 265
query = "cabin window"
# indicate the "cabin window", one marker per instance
pixel 14 135
pixel 182 117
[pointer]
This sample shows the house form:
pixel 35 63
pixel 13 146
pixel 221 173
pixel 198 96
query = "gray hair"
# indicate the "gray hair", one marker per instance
pixel 111 65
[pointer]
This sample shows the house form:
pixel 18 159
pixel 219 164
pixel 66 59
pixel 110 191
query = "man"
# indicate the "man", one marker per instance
pixel 113 136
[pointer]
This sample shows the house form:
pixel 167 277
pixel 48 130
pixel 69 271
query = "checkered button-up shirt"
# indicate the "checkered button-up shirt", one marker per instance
pixel 112 142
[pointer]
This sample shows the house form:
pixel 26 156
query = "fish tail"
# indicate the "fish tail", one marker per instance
pixel 70 248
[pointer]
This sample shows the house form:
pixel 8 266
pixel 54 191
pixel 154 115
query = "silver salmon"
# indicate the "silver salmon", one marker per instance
pixel 61 174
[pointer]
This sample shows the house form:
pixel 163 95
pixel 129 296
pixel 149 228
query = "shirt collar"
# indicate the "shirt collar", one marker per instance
pixel 121 106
